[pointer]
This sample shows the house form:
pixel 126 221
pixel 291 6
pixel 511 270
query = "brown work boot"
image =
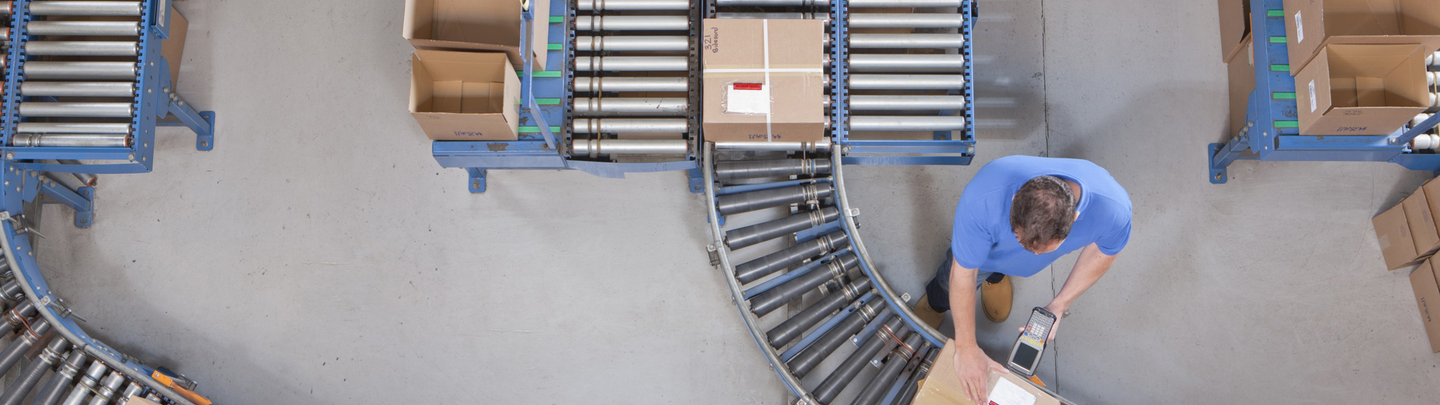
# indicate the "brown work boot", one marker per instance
pixel 996 298
pixel 927 314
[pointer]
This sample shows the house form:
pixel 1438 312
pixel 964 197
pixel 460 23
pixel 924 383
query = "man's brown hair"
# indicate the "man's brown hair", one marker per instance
pixel 1042 212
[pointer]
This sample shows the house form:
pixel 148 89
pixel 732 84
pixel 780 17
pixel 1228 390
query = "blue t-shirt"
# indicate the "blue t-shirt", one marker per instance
pixel 983 239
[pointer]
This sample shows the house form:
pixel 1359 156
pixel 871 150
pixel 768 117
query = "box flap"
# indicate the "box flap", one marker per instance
pixel 1427 297
pixel 1234 27
pixel 1420 17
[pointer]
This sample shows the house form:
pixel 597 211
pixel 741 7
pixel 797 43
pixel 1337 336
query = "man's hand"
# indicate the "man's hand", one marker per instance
pixel 971 365
pixel 1059 312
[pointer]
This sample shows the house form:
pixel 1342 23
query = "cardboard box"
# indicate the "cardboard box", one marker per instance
pixel 764 92
pixel 1421 222
pixel 1427 297
pixel 1234 27
pixel 173 48
pixel 942 386
pixel 1362 89
pixel 1310 25
pixel 1392 231
pixel 485 25
pixel 465 96
pixel 1242 83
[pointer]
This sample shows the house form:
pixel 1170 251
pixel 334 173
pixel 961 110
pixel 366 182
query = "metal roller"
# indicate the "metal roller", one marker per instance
pixel 630 125
pixel 87 383
pixel 81 70
pixel 610 147
pixel 48 357
pixel 792 328
pixel 890 372
pixel 757 169
pixel 771 16
pixel 11 291
pixel 60 381
pixel 870 123
pixel 632 43
pixel 753 234
pixel 904 41
pixel 107 388
pixel 838 379
pixel 761 199
pixel 906 103
pixel 72 141
pixel 84 28
pixel 95 8
pixel 904 3
pixel 584 84
pixel 906 82
pixel 28 336
pixel 821 348
pixel 131 390
pixel 82 48
pixel 73 109
pixel 16 317
pixel 821 146
pixel 771 263
pixel 613 106
pixel 779 296
pixel 631 64
pixel 633 5
pixel 886 20
pixel 770 3
pixel 73 127
pixel 907 63
pixel 912 385
pixel 1433 61
pixel 632 23
pixel 77 89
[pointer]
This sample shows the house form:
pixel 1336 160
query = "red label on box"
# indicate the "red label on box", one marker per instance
pixel 748 86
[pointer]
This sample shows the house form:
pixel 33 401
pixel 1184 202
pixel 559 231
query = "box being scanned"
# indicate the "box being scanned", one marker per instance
pixel 764 80
pixel 465 96
pixel 942 386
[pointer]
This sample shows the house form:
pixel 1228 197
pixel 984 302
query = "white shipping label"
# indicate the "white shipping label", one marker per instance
pixel 1299 28
pixel 1007 393
pixel 747 98
pixel 1313 107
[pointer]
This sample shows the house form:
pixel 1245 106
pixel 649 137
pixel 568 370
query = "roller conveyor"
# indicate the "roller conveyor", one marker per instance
pixel 96 63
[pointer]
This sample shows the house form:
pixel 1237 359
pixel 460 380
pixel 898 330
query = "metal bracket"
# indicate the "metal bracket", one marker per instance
pixel 711 250
pixel 477 180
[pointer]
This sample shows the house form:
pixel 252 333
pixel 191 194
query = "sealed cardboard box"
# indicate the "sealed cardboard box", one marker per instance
pixel 465 96
pixel 1421 222
pixel 942 386
pixel 764 80
pixel 1242 83
pixel 1310 25
pixel 1362 89
pixel 485 25
pixel 1234 27
pixel 1392 231
pixel 1427 296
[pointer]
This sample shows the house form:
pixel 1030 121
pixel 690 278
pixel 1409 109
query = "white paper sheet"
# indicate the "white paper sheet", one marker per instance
pixel 1007 393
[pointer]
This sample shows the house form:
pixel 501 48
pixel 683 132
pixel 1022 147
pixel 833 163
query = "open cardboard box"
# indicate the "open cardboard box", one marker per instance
pixel 465 96
pixel 1362 89
pixel 1234 27
pixel 485 25
pixel 1310 25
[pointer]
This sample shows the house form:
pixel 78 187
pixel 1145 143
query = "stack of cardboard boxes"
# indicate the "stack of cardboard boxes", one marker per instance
pixel 1359 65
pixel 463 85
pixel 1409 234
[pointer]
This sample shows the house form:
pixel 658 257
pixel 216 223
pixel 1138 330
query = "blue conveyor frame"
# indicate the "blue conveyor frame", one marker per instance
pixel 1272 131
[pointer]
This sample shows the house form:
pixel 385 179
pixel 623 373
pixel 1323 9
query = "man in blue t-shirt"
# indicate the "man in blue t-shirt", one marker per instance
pixel 1016 217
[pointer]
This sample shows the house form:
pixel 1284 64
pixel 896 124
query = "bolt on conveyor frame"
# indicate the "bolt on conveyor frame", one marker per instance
pixel 1272 127
pixel 546 100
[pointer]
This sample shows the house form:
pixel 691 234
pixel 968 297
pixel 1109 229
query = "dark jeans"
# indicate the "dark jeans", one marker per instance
pixel 938 290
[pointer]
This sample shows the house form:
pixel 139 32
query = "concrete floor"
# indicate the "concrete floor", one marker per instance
pixel 319 243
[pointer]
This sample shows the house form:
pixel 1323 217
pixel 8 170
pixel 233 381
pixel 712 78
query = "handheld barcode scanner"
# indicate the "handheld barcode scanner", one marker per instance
pixel 1025 356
